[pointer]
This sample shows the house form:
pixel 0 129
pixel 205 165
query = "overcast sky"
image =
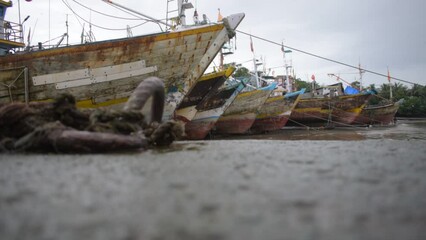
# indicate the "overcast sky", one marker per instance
pixel 376 33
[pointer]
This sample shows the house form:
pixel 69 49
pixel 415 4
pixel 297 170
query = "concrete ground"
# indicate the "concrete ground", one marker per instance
pixel 227 189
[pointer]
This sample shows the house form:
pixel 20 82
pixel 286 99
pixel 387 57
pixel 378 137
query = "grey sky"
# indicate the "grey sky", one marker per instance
pixel 378 33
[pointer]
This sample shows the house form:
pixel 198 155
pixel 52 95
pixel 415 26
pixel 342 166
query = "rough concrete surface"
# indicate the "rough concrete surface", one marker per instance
pixel 227 189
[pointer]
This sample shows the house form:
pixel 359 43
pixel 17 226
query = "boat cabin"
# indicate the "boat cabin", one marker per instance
pixel 333 90
pixel 11 35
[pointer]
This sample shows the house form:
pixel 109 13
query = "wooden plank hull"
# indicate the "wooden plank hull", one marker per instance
pixel 198 129
pixel 377 115
pixel 209 111
pixel 105 73
pixel 242 112
pixel 274 113
pixel 321 112
pixel 207 85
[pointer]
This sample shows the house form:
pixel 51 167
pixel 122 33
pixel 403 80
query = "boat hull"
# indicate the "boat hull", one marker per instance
pixel 271 123
pixel 274 113
pixel 198 129
pixel 209 111
pixel 241 114
pixel 105 73
pixel 207 85
pixel 235 124
pixel 323 112
pixel 377 115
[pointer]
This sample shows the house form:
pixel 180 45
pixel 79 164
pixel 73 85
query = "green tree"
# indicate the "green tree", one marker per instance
pixel 303 84
pixel 399 91
pixel 241 72
pixel 418 91
pixel 412 106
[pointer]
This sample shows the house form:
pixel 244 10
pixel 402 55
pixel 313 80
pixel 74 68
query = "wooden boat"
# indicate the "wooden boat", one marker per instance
pixel 210 110
pixel 241 114
pixel 377 114
pixel 328 107
pixel 275 112
pixel 105 73
pixel 207 84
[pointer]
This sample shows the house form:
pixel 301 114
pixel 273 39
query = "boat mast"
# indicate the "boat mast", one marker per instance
pixel 390 86
pixel 360 76
pixel 254 63
pixel 287 79
pixel 19 12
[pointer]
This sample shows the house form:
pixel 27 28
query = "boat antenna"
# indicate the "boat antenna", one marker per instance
pixel 66 24
pixel 35 26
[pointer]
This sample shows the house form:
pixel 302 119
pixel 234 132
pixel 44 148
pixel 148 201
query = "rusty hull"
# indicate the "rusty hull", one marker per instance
pixel 204 89
pixel 210 110
pixel 323 111
pixel 274 113
pixel 241 114
pixel 180 58
pixel 377 115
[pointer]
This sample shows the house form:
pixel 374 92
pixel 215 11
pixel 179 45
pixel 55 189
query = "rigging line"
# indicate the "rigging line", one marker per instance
pixel 78 20
pixel 137 17
pixel 130 13
pixel 324 58
pixel 53 39
pixel 318 129
pixel 108 15
pixel 105 28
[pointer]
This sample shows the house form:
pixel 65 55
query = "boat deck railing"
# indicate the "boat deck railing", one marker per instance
pixel 11 31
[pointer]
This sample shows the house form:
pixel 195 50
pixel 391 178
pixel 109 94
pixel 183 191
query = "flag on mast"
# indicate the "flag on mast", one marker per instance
pixel 313 77
pixel 219 16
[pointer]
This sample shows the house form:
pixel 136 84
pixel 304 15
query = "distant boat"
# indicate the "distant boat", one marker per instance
pixel 211 109
pixel 328 107
pixel 379 114
pixel 241 114
pixel 275 112
pixel 105 73
pixel 383 114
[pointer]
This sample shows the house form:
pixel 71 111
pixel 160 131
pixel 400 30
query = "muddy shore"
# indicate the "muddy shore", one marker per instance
pixel 373 187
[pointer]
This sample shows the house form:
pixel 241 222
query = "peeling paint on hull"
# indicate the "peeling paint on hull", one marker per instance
pixel 274 113
pixel 341 110
pixel 180 58
pixel 235 124
pixel 379 115
pixel 205 87
pixel 270 123
pixel 210 111
pixel 241 114
pixel 197 130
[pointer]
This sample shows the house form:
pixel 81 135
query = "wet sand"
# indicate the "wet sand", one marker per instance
pixel 343 184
